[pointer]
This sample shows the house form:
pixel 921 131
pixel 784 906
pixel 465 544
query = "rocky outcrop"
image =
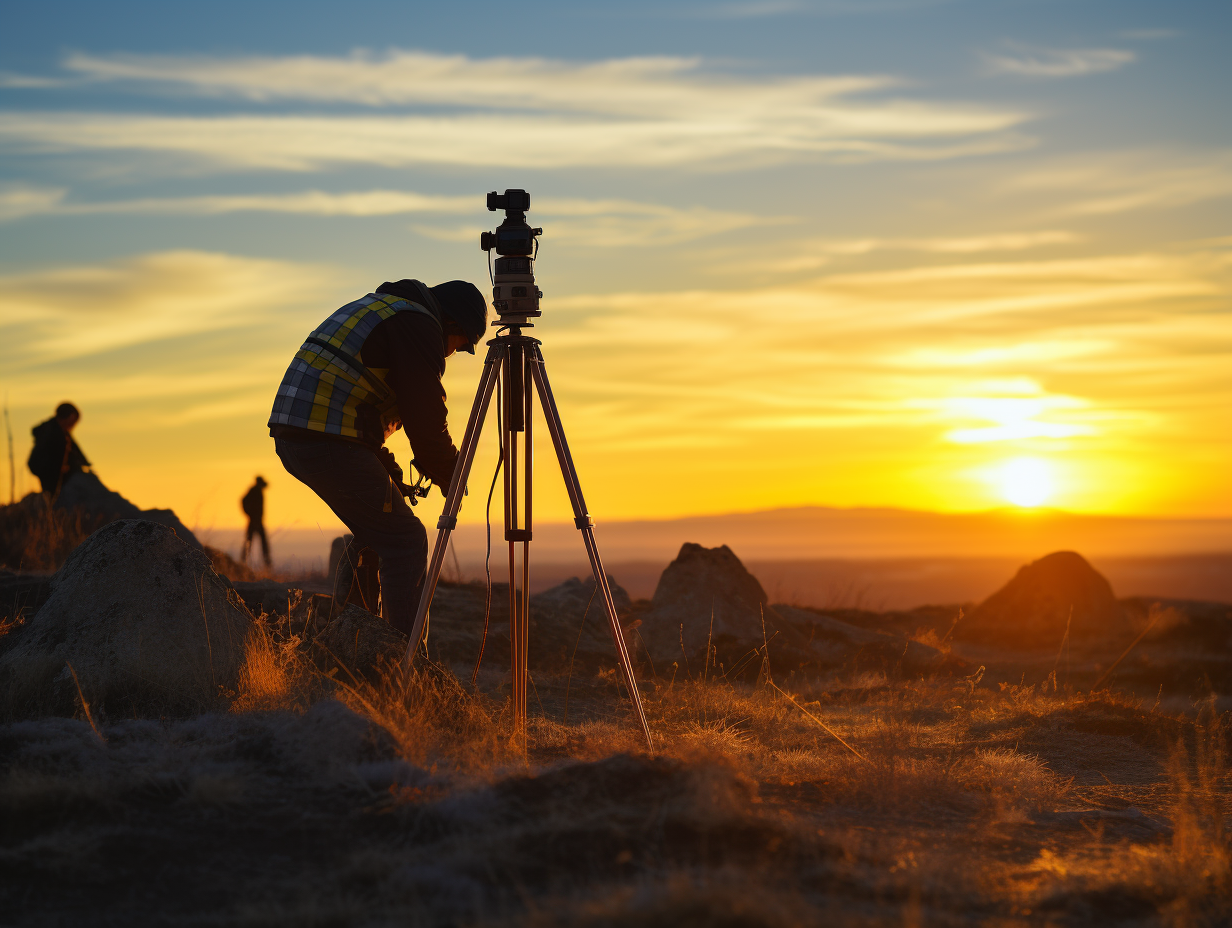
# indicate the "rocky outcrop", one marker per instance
pixel 1032 611
pixel 144 622
pixel 85 492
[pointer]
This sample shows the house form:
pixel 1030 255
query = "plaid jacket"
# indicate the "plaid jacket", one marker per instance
pixel 328 389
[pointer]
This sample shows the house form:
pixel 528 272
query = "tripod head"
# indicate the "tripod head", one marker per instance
pixel 514 294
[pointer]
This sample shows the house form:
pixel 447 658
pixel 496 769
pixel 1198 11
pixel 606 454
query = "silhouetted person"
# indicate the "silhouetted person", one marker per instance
pixel 253 505
pixel 56 457
pixel 372 367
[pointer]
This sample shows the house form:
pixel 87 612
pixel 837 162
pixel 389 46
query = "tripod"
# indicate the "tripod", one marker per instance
pixel 514 359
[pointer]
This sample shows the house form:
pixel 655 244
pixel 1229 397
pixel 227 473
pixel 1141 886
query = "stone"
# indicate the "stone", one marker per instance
pixel 359 644
pixel 839 645
pixel 264 596
pixel 1032 610
pixel 558 635
pixel 146 624
pixel 707 598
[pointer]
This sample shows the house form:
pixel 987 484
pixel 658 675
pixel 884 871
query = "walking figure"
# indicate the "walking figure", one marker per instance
pixel 253 505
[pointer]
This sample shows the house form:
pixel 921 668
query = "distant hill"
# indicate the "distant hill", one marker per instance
pixel 818 532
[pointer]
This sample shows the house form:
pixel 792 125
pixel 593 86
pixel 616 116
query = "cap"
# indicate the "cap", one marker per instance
pixel 464 304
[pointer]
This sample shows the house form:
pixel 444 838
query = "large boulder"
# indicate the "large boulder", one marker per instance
pixel 706 598
pixel 1033 610
pixel 145 623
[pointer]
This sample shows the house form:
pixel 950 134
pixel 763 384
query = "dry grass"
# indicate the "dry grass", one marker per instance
pixel 966 805
pixel 274 675
pixel 38 537
pixel 436 722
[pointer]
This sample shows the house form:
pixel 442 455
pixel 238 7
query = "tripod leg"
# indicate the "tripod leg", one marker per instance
pixel 453 500
pixel 518 529
pixel 585 524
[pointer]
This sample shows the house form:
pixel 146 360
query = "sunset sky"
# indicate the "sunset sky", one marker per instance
pixel 936 255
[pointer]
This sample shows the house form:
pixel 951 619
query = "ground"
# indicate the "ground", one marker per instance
pixel 320 801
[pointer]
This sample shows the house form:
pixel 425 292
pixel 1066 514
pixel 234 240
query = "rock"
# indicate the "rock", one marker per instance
pixel 707 596
pixel 145 623
pixel 573 595
pixel 87 493
pixel 226 566
pixel 559 636
pixel 337 548
pixel 268 596
pixel 1032 610
pixel 841 645
pixel 357 641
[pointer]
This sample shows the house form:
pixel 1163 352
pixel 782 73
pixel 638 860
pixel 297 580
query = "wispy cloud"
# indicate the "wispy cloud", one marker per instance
pixel 1116 182
pixel 20 201
pixel 72 312
pixel 579 222
pixel 1060 62
pixel 755 9
pixel 636 112
pixel 620 223
pixel 11 81
pixel 1024 351
pixel 817 253
pixel 305 143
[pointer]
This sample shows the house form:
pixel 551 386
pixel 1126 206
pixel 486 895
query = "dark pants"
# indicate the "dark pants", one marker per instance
pixel 255 527
pixel 354 484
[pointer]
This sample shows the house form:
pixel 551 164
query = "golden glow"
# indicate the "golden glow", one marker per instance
pixel 890 388
pixel 1026 482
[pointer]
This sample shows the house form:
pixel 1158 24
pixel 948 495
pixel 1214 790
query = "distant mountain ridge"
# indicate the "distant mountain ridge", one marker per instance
pixel 863 533
pixel 818 533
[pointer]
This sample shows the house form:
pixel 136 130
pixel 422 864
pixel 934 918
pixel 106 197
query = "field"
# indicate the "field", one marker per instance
pixel 325 800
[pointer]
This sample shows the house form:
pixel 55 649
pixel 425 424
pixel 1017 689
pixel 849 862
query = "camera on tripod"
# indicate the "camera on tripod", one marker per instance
pixel 514 294
pixel 514 375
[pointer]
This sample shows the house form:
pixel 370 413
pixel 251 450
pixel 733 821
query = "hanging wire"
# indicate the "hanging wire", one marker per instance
pixel 487 558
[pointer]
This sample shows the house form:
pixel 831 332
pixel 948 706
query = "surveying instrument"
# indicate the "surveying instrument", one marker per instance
pixel 516 363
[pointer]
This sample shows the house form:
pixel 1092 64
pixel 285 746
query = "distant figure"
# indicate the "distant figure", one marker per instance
pixel 253 505
pixel 56 457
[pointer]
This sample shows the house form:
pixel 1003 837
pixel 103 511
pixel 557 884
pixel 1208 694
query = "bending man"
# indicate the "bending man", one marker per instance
pixel 372 367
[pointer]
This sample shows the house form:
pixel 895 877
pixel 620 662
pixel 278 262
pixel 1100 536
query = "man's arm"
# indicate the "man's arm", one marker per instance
pixel 412 347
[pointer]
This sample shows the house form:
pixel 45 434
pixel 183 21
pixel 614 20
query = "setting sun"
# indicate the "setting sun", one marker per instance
pixel 1026 482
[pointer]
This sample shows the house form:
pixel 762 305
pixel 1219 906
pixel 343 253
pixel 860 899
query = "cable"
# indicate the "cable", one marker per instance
pixel 487 558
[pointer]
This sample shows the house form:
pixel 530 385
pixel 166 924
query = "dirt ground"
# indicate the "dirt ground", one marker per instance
pixel 410 803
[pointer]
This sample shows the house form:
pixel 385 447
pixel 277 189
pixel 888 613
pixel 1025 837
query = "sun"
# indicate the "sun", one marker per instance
pixel 1025 482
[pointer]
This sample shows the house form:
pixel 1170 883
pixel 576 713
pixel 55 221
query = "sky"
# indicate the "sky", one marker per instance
pixel 947 256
